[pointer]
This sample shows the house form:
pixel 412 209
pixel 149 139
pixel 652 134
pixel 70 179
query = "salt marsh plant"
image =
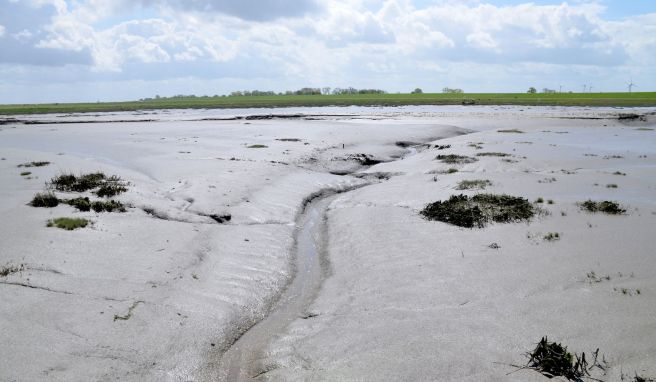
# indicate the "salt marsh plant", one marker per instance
pixel 478 210
pixel 492 154
pixel 479 184
pixel 552 359
pixel 8 269
pixel 607 207
pixel 44 199
pixel 455 159
pixel 34 164
pixel 105 186
pixel 68 224
pixel 552 236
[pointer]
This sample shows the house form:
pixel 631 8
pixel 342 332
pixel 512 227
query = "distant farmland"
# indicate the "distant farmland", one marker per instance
pixel 224 102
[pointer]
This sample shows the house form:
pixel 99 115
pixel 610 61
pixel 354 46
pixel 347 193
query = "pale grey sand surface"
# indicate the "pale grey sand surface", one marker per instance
pixel 399 297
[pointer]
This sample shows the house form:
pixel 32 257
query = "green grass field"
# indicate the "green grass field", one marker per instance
pixel 564 99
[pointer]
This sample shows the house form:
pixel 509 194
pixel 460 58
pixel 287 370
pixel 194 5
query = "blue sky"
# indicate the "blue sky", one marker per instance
pixel 97 50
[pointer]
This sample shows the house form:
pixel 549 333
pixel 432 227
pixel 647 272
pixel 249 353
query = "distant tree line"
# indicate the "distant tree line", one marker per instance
pixel 452 91
pixel 308 91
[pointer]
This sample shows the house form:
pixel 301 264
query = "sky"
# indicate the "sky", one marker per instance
pixel 99 50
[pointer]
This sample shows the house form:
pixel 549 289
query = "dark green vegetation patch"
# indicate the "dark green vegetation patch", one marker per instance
pixel 553 360
pixel 257 146
pixel 478 210
pixel 68 224
pixel 44 199
pixel 34 164
pixel 455 159
pixel 492 155
pixel 84 204
pixel 479 184
pixel 607 207
pixel 8 269
pixel 106 186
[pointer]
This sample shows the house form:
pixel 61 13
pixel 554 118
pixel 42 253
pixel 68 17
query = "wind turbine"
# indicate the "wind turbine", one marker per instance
pixel 631 85
pixel 584 87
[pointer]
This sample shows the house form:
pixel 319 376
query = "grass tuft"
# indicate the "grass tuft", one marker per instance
pixel 479 184
pixel 68 224
pixel 9 269
pixel 455 159
pixel 607 207
pixel 478 210
pixel 552 359
pixel 492 154
pixel 44 199
pixel 25 173
pixel 34 164
pixel 107 186
pixel 552 236
pixel 257 146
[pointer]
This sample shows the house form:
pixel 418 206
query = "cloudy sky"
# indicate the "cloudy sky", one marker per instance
pixel 89 50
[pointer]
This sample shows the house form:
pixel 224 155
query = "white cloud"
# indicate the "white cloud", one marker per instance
pixel 341 41
pixel 2 31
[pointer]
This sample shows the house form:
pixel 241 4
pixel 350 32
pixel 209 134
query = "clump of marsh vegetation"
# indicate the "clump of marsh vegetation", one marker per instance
pixel 539 200
pixel 288 139
pixel 612 185
pixel 455 159
pixel 34 164
pixel 619 173
pixel 111 187
pixel 479 184
pixel 592 278
pixel 25 173
pixel 442 147
pixel 68 224
pixel 552 359
pixel 516 131
pixel 492 154
pixel 547 180
pixel 257 146
pixel 363 159
pixel 627 291
pixel 105 186
pixel 607 207
pixel 552 236
pixel 85 204
pixel 480 209
pixel 477 146
pixel 44 199
pixel 72 183
pixel 8 269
